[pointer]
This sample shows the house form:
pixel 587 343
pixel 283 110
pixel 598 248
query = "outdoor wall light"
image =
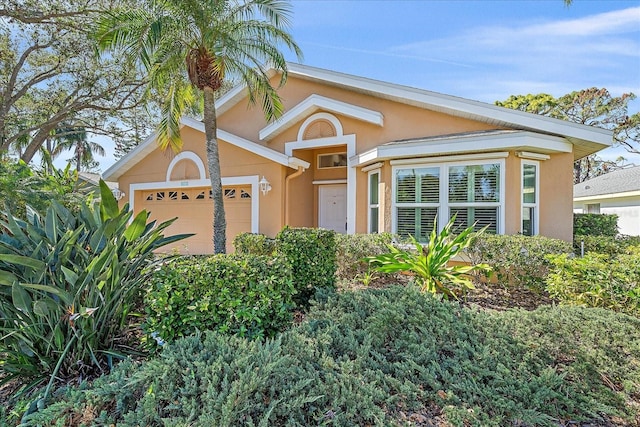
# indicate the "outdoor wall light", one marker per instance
pixel 265 186
pixel 117 193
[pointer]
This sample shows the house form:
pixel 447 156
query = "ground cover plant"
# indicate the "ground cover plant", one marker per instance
pixel 381 357
pixel 68 284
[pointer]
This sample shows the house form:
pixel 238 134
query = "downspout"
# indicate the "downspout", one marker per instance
pixel 286 192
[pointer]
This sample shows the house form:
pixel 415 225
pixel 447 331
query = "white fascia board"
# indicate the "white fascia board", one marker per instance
pixel 608 196
pixel 317 102
pixel 521 141
pixel 456 106
pixel 127 161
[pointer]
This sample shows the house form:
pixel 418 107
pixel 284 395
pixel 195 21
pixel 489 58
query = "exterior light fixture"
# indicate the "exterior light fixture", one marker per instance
pixel 117 193
pixel 265 186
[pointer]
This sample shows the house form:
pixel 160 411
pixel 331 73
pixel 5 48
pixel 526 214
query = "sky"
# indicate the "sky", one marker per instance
pixel 480 50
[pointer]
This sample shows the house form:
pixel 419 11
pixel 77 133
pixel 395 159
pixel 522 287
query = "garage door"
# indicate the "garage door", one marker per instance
pixel 194 209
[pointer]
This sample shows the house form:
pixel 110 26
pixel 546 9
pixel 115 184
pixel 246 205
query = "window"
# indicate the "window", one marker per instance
pixel 417 199
pixel 529 198
pixel 471 191
pixel 474 195
pixel 374 201
pixel 592 208
pixel 333 160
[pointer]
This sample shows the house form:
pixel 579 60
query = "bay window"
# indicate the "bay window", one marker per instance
pixel 470 190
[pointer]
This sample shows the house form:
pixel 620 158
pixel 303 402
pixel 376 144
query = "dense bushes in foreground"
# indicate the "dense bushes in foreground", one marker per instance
pixel 371 358
pixel 251 296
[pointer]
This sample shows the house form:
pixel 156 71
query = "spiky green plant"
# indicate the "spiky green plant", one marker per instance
pixel 68 285
pixel 430 262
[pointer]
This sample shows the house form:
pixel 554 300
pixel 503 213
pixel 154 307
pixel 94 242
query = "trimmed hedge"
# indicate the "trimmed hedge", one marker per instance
pixel 598 280
pixel 608 245
pixel 374 358
pixel 312 255
pixel 254 244
pixel 249 296
pixel 517 260
pixel 353 248
pixel 595 225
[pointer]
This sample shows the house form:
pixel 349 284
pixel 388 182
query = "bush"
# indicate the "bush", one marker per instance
pixel 595 225
pixel 430 262
pixel 353 248
pixel 254 244
pixel 312 254
pixel 517 260
pixel 68 284
pixel 245 295
pixel 369 357
pixel 608 245
pixel 597 280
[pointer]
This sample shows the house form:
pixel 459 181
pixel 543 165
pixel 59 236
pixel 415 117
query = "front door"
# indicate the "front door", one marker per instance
pixel 332 207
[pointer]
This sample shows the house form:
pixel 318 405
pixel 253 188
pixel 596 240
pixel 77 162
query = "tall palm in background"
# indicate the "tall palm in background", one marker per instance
pixel 75 140
pixel 189 45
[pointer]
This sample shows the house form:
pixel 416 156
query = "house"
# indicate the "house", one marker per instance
pixel 617 192
pixel 363 156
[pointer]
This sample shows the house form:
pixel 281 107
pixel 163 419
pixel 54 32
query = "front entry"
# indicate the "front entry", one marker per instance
pixel 332 207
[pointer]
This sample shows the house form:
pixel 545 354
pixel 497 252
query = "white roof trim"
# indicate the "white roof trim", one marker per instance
pixel 465 144
pixel 608 196
pixel 149 144
pixel 456 106
pixel 317 102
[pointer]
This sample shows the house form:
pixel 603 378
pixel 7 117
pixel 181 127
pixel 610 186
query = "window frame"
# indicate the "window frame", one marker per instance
pixel 319 167
pixel 536 204
pixel 443 206
pixel 370 205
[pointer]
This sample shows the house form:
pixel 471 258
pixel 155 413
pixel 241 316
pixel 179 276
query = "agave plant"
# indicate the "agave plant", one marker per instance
pixel 68 285
pixel 430 262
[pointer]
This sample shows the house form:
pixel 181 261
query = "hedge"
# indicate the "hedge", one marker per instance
pixel 595 225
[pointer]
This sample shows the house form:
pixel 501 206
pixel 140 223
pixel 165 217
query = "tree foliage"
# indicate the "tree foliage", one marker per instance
pixel 50 75
pixel 189 49
pixel 592 107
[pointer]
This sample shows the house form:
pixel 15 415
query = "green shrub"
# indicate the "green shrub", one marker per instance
pixel 312 254
pixel 515 259
pixel 595 225
pixel 353 248
pixel 597 280
pixel 68 284
pixel 430 262
pixel 245 295
pixel 254 244
pixel 611 246
pixel 361 358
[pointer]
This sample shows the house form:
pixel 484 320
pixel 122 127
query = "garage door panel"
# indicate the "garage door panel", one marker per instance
pixel 194 210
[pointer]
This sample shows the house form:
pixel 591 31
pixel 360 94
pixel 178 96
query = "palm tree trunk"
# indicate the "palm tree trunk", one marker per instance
pixel 213 163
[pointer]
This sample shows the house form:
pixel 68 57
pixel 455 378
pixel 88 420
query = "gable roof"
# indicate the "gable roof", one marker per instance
pixel 585 139
pixel 148 145
pixel 620 183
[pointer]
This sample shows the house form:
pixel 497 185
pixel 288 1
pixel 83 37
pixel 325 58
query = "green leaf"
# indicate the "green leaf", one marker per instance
pixel 24 261
pixel 21 298
pixel 137 227
pixel 41 308
pixel 108 203
pixel 7 278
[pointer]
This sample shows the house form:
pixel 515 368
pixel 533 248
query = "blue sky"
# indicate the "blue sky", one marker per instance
pixel 481 50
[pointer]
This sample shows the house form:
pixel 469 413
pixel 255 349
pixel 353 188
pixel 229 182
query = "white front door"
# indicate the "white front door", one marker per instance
pixel 332 207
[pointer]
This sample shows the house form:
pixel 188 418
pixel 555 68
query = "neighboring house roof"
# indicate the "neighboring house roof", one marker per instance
pixel 148 145
pixel 620 183
pixel 586 139
pixel 94 179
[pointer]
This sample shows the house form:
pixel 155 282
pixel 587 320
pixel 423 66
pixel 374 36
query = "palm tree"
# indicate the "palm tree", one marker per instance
pixel 189 45
pixel 74 139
